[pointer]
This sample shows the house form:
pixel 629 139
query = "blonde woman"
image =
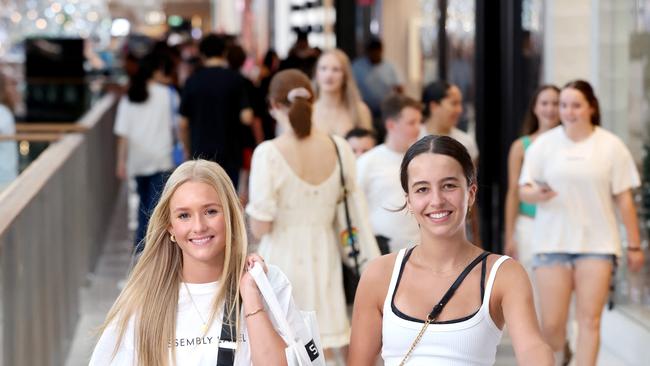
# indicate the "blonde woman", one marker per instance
pixel 171 311
pixel 338 108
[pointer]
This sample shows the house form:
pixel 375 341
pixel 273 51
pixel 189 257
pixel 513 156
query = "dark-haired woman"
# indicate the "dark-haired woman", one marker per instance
pixel 144 145
pixel 444 301
pixel 578 174
pixel 541 116
pixel 295 185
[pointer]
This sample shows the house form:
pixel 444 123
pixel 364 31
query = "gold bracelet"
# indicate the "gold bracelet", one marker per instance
pixel 254 312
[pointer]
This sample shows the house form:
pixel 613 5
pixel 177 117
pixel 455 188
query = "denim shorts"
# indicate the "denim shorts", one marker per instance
pixel 568 259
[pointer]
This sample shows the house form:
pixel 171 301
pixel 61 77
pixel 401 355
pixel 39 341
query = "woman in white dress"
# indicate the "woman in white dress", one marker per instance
pixel 338 108
pixel 294 189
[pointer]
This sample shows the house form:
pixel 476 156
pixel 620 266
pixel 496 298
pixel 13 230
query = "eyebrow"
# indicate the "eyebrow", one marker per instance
pixel 204 206
pixel 441 180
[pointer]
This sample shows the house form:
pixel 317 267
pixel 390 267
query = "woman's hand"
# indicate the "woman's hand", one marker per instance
pixel 544 193
pixel 635 260
pixel 535 193
pixel 251 296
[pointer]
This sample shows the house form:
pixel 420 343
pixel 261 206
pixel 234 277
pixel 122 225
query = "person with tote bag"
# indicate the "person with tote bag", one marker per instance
pixel 295 191
pixel 191 299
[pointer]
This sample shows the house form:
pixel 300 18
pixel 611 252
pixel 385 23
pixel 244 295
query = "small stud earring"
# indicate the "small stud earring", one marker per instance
pixel 172 238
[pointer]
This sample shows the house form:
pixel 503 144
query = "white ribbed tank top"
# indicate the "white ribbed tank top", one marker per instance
pixel 472 341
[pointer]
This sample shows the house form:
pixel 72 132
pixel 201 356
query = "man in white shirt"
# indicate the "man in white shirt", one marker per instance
pixel 378 174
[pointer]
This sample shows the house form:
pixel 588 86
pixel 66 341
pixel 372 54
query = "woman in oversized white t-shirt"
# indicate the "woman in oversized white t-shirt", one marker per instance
pixel 578 174
pixel 191 272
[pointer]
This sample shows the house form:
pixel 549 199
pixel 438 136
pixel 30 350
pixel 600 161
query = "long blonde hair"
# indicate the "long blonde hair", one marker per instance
pixel 151 292
pixel 350 95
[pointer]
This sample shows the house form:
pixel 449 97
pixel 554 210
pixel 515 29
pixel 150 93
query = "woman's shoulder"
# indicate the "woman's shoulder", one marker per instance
pixel 379 271
pixel 508 274
pixel 517 147
pixel 265 150
pixel 605 136
pixel 554 134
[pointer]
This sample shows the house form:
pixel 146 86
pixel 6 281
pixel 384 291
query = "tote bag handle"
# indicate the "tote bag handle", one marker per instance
pixel 268 294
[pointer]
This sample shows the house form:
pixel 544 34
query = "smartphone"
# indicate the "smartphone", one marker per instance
pixel 543 185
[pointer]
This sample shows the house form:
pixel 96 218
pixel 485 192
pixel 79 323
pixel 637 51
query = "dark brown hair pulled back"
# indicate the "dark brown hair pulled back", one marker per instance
pixel 300 109
pixel 588 92
pixel 443 145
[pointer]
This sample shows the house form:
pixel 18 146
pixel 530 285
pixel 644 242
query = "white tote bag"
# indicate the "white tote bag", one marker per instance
pixel 303 342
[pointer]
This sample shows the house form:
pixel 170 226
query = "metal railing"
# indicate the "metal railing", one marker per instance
pixel 53 219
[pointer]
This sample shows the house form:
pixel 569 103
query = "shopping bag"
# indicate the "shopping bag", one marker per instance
pixel 303 340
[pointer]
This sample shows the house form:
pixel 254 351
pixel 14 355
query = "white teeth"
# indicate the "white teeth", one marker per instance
pixel 200 241
pixel 439 215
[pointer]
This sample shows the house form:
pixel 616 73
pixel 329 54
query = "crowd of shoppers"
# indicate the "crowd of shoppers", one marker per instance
pixel 434 297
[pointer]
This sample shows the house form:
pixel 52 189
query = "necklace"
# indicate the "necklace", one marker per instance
pixel 446 273
pixel 204 327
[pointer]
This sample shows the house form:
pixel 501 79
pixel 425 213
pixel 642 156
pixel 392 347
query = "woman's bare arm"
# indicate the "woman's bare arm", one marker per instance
pixel 515 159
pixel 517 309
pixel 365 341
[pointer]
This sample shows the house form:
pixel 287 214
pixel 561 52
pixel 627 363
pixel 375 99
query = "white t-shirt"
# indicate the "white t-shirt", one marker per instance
pixel 148 128
pixel 586 175
pixel 461 136
pixel 8 149
pixel 378 176
pixel 192 346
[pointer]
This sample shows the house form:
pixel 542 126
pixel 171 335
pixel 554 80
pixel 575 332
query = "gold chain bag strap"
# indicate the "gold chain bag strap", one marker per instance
pixel 435 312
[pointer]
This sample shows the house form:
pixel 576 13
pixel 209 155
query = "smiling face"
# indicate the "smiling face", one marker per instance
pixel 546 109
pixel 574 108
pixel 330 74
pixel 199 225
pixel 438 195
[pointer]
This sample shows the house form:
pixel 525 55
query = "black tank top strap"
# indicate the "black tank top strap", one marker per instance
pixel 483 272
pixel 435 312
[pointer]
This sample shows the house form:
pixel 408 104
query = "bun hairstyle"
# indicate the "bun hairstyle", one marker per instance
pixel 293 89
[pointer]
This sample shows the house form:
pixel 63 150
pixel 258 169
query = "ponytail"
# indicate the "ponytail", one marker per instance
pixel 293 89
pixel 300 117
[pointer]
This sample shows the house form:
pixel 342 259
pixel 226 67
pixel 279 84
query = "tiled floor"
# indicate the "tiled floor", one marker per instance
pixel 112 267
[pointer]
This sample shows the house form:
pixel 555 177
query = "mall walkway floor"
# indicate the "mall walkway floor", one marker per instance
pixel 114 263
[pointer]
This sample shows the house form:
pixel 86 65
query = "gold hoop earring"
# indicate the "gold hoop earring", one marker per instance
pixel 172 238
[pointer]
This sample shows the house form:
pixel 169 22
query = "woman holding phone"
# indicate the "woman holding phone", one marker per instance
pixel 578 174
